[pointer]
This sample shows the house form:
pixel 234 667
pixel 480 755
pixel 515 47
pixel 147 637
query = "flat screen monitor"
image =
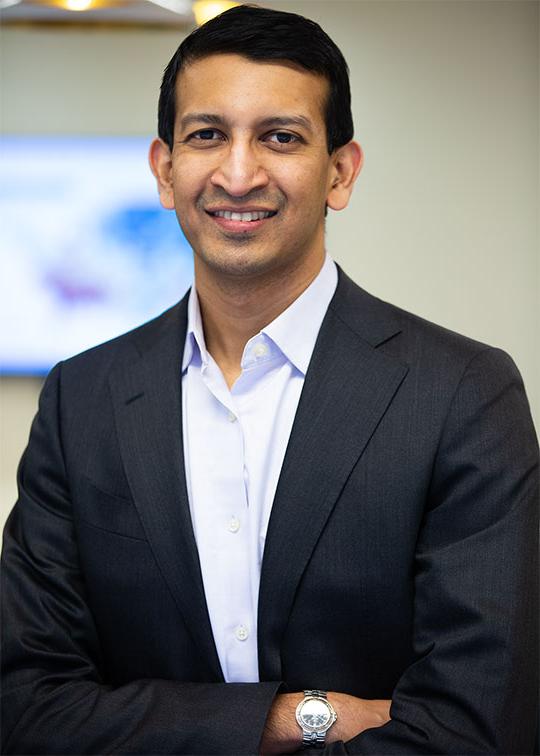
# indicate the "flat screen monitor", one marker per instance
pixel 87 251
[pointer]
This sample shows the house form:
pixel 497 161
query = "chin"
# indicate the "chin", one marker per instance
pixel 241 265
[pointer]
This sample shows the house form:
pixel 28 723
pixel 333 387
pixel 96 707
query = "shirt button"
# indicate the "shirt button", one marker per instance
pixel 259 350
pixel 234 525
pixel 241 633
pixel 232 417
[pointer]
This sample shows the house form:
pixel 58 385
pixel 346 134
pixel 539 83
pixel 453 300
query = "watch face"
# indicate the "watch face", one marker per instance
pixel 315 714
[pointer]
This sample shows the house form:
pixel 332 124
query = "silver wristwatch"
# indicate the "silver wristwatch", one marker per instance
pixel 315 715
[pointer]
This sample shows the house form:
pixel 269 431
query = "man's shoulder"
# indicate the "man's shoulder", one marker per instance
pixel 129 346
pixel 400 332
pixel 436 358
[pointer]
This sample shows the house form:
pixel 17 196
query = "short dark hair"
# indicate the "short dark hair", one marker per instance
pixel 263 34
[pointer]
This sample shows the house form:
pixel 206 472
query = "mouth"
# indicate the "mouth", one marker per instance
pixel 240 221
pixel 247 217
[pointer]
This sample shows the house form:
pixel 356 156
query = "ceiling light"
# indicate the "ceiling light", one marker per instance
pixel 77 5
pixel 98 11
pixel 204 10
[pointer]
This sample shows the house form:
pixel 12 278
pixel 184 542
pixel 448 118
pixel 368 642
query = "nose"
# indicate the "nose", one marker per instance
pixel 240 171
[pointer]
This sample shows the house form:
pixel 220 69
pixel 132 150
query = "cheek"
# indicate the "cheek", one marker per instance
pixel 309 185
pixel 188 181
pixel 181 185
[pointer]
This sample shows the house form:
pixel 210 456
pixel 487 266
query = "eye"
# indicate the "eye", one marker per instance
pixel 282 138
pixel 208 136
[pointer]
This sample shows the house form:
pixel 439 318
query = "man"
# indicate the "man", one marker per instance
pixel 280 485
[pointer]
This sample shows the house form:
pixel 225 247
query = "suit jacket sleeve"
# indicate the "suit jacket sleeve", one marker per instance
pixel 473 685
pixel 54 698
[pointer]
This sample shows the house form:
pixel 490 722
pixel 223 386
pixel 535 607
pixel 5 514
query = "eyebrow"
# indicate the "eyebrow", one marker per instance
pixel 211 119
pixel 296 120
pixel 193 118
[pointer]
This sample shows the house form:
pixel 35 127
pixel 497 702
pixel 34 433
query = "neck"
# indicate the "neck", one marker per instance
pixel 234 309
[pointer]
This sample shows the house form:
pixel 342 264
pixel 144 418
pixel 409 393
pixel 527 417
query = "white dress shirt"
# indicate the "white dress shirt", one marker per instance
pixel 234 445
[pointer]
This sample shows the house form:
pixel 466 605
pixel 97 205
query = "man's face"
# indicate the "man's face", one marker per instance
pixel 250 172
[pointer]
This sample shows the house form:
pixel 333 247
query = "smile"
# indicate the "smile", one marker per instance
pixel 245 217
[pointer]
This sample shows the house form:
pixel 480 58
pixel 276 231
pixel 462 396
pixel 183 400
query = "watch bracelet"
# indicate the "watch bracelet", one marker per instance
pixel 316 694
pixel 314 739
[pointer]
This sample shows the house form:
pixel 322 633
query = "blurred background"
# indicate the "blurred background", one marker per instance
pixel 444 220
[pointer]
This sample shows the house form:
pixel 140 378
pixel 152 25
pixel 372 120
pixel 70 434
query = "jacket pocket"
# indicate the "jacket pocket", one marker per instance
pixel 100 509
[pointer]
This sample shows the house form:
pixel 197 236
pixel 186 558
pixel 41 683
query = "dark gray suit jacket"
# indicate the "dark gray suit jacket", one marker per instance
pixel 400 558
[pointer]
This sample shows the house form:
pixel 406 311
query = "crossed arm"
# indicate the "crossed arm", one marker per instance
pixel 354 715
pixel 471 689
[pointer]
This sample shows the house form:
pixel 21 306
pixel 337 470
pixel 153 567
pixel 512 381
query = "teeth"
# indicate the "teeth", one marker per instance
pixel 229 215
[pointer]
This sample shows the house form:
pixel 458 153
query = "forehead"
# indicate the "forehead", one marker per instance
pixel 230 83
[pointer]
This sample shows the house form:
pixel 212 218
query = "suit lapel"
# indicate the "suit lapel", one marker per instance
pixel 148 411
pixel 339 409
pixel 348 387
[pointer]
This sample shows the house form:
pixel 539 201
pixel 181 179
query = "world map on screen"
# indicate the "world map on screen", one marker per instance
pixel 87 251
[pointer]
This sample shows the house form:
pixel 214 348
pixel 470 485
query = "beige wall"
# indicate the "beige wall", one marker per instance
pixel 445 95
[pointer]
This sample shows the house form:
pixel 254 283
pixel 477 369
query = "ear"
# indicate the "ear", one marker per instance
pixel 160 160
pixel 347 162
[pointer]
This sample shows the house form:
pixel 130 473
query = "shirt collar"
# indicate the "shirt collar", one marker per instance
pixel 195 343
pixel 294 331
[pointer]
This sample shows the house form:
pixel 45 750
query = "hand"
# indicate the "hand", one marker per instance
pixel 354 715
